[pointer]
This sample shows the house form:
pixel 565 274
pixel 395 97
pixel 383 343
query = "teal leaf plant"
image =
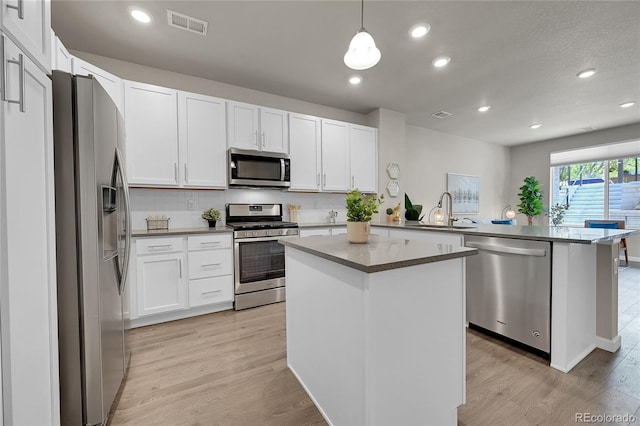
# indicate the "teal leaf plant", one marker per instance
pixel 360 207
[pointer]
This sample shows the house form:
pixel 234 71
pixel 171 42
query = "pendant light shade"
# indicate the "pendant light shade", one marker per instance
pixel 362 53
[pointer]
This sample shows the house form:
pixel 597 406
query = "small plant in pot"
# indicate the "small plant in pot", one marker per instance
pixel 360 209
pixel 211 216
pixel 389 214
pixel 530 199
pixel 556 214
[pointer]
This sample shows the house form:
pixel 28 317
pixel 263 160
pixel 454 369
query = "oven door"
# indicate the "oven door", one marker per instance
pixel 259 264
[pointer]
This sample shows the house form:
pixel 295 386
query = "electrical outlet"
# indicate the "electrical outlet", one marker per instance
pixel 190 205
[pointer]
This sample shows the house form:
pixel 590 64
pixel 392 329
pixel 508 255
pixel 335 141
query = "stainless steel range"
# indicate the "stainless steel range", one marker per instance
pixel 258 257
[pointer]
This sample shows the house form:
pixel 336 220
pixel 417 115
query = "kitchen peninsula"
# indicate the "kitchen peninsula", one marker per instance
pixel 376 332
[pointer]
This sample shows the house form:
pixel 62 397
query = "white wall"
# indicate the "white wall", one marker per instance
pixel 144 74
pixel 431 155
pixel 533 160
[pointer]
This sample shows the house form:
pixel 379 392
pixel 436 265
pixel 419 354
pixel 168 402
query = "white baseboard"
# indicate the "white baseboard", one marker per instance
pixel 313 399
pixel 634 259
pixel 609 345
pixel 573 362
pixel 177 315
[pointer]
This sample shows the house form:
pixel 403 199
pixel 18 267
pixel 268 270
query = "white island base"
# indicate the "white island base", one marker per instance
pixel 377 348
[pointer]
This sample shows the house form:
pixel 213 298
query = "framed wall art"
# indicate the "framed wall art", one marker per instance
pixel 465 192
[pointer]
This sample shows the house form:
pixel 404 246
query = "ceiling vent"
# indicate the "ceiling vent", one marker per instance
pixel 188 23
pixel 441 114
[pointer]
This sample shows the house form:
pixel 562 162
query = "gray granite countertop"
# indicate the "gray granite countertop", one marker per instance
pixel 180 231
pixel 564 234
pixel 380 254
pixel 322 224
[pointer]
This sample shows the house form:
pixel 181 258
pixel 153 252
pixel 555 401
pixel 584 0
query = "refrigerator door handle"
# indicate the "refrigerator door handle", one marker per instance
pixel 127 207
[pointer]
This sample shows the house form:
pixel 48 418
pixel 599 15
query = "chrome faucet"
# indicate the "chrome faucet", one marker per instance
pixel 450 217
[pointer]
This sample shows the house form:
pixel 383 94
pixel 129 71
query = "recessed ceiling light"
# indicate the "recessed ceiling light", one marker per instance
pixel 484 108
pixel 627 104
pixel 535 126
pixel 355 80
pixel 441 61
pixel 586 73
pixel 419 31
pixel 140 16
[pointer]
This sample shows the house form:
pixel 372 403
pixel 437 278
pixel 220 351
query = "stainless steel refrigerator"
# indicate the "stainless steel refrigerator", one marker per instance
pixel 93 244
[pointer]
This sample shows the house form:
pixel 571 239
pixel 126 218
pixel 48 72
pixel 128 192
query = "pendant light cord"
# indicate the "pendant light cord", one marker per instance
pixel 362 15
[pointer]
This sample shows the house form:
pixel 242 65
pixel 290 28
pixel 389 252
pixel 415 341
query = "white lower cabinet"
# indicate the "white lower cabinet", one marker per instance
pixel 323 230
pixel 429 236
pixel 382 232
pixel 179 277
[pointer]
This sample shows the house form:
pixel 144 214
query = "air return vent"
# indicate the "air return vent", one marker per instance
pixel 184 22
pixel 442 114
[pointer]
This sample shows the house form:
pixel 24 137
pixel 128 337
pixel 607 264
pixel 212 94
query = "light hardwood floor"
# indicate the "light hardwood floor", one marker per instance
pixel 230 368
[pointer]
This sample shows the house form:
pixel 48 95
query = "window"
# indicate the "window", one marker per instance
pixel 604 189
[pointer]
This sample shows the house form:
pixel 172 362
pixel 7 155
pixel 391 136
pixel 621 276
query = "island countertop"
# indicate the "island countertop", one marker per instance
pixel 179 231
pixel 563 234
pixel 380 254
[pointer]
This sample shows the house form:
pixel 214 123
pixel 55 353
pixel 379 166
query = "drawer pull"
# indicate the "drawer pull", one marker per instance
pixel 167 246
pixel 206 265
pixel 211 292
pixel 206 243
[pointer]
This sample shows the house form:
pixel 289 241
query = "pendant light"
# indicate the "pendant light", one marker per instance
pixel 362 53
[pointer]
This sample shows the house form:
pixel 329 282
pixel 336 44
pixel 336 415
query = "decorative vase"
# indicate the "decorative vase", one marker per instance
pixel 389 218
pixel 358 232
pixel 212 223
pixel 530 220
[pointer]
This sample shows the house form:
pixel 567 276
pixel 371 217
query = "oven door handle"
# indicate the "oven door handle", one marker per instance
pixel 256 240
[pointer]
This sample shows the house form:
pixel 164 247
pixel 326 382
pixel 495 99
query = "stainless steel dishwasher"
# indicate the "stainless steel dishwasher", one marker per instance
pixel 509 289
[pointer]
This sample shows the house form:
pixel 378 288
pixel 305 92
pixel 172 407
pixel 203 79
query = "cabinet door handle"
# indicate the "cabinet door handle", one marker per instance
pixel 21 85
pixel 180 263
pixel 186 173
pixel 211 292
pixel 318 179
pixel 19 8
pixel 206 243
pixel 263 140
pixel 353 182
pixel 324 179
pixel 175 172
pixel 255 136
pixel 168 246
pixel 207 265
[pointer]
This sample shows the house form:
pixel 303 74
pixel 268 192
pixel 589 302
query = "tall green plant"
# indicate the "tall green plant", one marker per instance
pixel 361 207
pixel 530 198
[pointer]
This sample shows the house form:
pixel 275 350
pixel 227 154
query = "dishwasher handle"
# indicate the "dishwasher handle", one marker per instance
pixel 507 249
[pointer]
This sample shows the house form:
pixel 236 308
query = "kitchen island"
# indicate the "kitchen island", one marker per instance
pixel 376 332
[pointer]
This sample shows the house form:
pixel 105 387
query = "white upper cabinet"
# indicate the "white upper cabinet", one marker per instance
pixel 201 130
pixel 305 152
pixel 274 130
pixel 252 127
pixel 111 83
pixel 28 24
pixel 335 156
pixel 151 122
pixel 364 158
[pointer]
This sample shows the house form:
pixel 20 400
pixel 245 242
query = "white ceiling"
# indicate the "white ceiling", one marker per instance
pixel 521 57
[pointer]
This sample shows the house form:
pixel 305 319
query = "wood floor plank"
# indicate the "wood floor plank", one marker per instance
pixel 229 368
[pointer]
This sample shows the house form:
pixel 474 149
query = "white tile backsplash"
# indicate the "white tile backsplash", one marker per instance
pixel 184 207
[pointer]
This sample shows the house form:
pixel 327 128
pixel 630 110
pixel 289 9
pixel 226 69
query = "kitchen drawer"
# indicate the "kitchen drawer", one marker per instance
pixel 159 245
pixel 210 263
pixel 210 290
pixel 209 242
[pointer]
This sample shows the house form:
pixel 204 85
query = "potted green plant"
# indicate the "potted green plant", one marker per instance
pixel 211 216
pixel 530 199
pixel 360 209
pixel 556 214
pixel 389 214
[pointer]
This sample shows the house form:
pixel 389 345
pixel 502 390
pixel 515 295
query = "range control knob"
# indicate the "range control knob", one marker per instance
pixel 268 233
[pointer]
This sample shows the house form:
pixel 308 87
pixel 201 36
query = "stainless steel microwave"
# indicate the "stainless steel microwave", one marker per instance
pixel 259 169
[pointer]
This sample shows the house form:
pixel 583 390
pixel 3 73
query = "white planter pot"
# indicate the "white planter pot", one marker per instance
pixel 358 232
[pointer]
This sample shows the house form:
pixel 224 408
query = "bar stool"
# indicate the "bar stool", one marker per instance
pixel 610 224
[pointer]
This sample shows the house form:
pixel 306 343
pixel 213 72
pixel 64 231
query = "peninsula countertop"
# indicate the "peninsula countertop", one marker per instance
pixel 380 254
